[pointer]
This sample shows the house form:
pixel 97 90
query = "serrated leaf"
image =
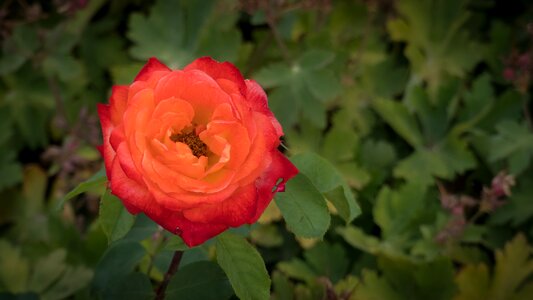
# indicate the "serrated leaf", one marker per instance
pixel 373 287
pixel 479 99
pixel 399 118
pixel 473 282
pixel 244 267
pixel 449 158
pixel 437 45
pixel 72 280
pixel 199 280
pixel 114 218
pixel 396 211
pixel 512 141
pixel 47 270
pixel 170 32
pixel 510 278
pixel 300 90
pixel 303 208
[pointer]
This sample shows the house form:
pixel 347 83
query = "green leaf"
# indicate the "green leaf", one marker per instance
pixel 282 287
pixel 303 208
pixel 373 287
pixel 199 280
pixel 244 267
pixel 116 263
pixel 47 270
pixel 473 282
pixel 397 212
pixel 519 207
pixel 399 118
pixel 327 179
pixel 97 180
pixel 420 280
pixel 284 105
pixel 302 88
pixel 14 268
pixel 273 75
pixel 114 218
pixel 479 100
pixel 377 155
pixel 134 286
pixel 437 42
pixel 323 84
pixel 445 160
pixel 266 235
pixel 72 280
pixel 328 260
pixel 18 48
pixel 322 174
pixel 368 243
pixel 339 144
pixel 385 79
pixel 12 169
pixel 297 269
pixel 510 278
pixel 513 141
pixel 316 59
pixel 170 32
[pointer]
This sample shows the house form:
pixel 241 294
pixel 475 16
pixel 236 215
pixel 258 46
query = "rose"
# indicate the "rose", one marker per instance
pixel 193 149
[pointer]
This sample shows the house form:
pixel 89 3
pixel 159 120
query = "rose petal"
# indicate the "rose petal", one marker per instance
pixel 238 209
pixel 257 99
pixel 219 70
pixel 137 199
pixel 107 151
pixel 152 66
pixel 280 168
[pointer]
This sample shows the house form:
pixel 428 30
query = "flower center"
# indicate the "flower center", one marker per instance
pixel 190 139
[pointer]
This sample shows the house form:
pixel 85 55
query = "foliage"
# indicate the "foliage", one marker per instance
pixel 410 122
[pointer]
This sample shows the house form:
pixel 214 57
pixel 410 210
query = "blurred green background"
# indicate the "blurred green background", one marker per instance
pixel 420 109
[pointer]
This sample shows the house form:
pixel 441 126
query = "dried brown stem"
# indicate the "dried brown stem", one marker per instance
pixel 172 269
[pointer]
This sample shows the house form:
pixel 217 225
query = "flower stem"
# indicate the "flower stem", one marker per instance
pixel 174 264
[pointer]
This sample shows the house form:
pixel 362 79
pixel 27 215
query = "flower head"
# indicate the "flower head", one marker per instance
pixel 193 149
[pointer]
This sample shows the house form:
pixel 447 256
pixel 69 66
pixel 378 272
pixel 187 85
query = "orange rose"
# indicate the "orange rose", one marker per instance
pixel 193 149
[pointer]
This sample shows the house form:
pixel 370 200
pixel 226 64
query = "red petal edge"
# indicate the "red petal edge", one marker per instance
pixel 218 70
pixel 280 168
pixel 153 65
pixel 257 99
pixel 107 127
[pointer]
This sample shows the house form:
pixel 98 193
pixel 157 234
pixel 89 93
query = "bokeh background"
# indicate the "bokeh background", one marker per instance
pixel 421 108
